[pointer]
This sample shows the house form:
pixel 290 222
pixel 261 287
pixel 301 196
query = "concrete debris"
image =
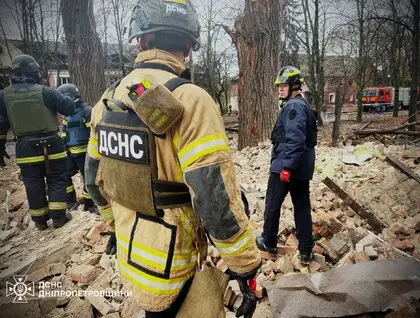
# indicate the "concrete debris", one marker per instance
pixel 73 255
pixel 82 273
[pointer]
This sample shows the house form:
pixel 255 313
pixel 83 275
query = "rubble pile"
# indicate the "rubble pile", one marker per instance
pixel 342 236
pixel 73 255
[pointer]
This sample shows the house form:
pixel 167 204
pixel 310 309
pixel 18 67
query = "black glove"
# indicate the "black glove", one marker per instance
pixel 3 153
pixel 111 247
pixel 249 302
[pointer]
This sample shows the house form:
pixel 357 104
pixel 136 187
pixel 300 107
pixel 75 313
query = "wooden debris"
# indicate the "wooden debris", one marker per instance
pixel 376 224
pixel 393 131
pixel 393 161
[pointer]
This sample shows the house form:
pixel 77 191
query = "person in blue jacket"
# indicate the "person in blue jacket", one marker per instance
pixel 76 132
pixel 292 165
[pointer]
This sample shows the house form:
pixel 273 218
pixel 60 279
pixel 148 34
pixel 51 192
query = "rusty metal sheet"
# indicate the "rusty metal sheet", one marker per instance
pixel 348 290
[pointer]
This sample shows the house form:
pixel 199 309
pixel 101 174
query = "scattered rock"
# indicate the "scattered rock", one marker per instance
pixel 400 228
pixel 47 271
pixel 314 267
pixel 325 225
pixel 292 241
pixel 92 259
pixel 371 252
pixel 79 308
pixel 360 257
pixel 284 265
pixel 82 273
pixel 94 234
pixel 404 245
pixel 339 246
pixel 329 250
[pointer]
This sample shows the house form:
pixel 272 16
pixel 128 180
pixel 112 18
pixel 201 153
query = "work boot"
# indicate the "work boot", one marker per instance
pixel 57 223
pixel 306 258
pixel 72 206
pixel 41 226
pixel 91 209
pixel 262 247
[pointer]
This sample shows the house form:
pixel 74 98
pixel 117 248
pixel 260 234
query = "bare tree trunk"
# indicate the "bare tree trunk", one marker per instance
pixel 339 93
pixel 361 57
pixel 84 48
pixel 256 37
pixel 413 108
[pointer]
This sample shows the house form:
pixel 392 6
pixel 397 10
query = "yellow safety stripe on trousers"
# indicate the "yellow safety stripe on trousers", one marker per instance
pixel 3 136
pixel 77 149
pixel 86 195
pixel 70 189
pixel 65 122
pixel 57 205
pixel 152 284
pixel 88 124
pixel 107 214
pixel 93 149
pixel 154 257
pixel 35 159
pixel 236 247
pixel 201 147
pixel 63 135
pixel 38 212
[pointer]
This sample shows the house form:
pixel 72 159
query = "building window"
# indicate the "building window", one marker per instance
pixel 351 98
pixel 63 80
pixel 331 98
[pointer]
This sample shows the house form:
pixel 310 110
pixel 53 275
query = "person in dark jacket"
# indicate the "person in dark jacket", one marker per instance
pixel 30 110
pixel 76 132
pixel 292 165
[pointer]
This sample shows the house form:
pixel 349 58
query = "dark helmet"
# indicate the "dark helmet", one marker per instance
pixel 290 75
pixel 176 16
pixel 69 90
pixel 25 65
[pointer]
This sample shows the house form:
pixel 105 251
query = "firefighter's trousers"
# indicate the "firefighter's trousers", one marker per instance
pixel 76 163
pixel 42 160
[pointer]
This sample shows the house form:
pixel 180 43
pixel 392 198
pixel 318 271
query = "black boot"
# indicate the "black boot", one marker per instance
pixel 41 226
pixel 263 247
pixel 306 257
pixel 57 223
pixel 72 206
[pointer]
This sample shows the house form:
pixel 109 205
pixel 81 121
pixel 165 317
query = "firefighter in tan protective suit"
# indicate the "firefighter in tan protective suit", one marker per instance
pixel 159 165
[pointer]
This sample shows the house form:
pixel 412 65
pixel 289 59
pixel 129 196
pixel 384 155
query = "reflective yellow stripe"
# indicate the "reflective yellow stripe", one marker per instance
pixel 70 189
pixel 177 1
pixel 30 159
pixel 238 246
pixel 59 155
pixel 175 144
pixel 88 124
pixel 63 134
pixel 57 205
pixel 152 284
pixel 38 212
pixel 65 122
pixel 295 72
pixel 3 136
pixel 77 149
pixel 107 214
pixel 93 149
pixel 149 257
pixel 86 195
pixel 201 147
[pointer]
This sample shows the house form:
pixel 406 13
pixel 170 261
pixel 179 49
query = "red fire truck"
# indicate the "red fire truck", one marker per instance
pixel 382 98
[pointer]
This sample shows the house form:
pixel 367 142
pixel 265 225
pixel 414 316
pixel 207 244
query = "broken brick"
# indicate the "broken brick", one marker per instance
pixel 360 257
pixel 82 273
pixel 404 245
pixel 292 241
pixel 94 234
pixel 47 271
pixel 329 250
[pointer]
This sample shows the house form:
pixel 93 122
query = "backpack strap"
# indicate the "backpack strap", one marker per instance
pixel 175 82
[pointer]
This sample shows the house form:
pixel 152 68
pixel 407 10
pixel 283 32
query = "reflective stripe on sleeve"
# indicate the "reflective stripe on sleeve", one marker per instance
pixel 201 147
